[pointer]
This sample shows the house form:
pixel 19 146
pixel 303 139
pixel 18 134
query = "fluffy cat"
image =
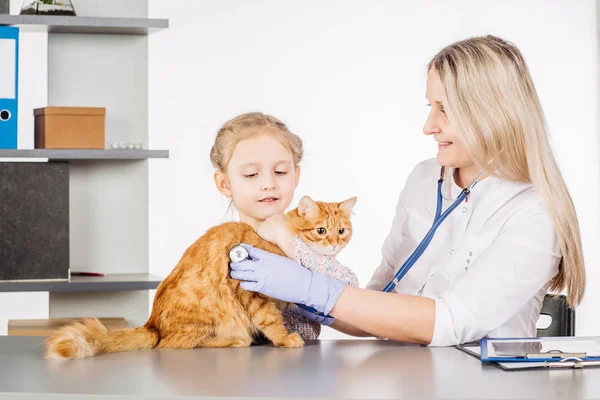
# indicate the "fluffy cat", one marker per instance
pixel 199 305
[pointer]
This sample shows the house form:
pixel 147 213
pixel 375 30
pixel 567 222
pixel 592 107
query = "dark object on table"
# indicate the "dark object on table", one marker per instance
pixel 34 221
pixel 562 316
pixel 87 274
pixel 48 7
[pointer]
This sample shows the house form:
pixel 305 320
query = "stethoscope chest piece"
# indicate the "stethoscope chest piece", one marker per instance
pixel 238 253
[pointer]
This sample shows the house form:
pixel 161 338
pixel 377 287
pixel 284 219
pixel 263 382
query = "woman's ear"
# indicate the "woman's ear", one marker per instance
pixel 222 183
pixel 297 177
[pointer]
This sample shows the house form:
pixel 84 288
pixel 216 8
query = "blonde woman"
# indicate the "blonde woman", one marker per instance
pixel 494 258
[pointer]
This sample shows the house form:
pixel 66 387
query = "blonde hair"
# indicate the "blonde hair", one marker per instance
pixel 247 125
pixel 489 97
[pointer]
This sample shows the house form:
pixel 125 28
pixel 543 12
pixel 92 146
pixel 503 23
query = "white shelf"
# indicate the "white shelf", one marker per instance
pixel 94 25
pixel 108 283
pixel 83 154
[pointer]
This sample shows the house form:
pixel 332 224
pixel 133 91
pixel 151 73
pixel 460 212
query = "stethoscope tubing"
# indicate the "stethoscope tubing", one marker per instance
pixel 438 219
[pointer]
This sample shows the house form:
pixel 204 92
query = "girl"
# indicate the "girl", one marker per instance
pixel 257 159
pixel 493 259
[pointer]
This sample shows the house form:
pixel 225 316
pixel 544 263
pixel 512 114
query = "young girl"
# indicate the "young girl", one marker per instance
pixel 257 162
pixel 493 259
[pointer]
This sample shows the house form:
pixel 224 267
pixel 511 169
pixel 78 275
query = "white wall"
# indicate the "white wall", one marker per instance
pixel 348 77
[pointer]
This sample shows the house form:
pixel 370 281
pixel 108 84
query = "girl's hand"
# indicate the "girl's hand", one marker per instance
pixel 277 230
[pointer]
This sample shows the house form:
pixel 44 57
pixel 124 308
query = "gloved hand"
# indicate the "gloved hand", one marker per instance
pixel 323 320
pixel 283 279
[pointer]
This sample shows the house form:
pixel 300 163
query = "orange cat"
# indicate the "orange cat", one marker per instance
pixel 199 305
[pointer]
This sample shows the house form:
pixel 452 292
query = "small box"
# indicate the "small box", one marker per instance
pixel 45 327
pixel 69 127
pixel 34 221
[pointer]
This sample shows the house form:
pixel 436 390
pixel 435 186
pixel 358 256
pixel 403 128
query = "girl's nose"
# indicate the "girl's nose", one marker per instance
pixel 268 183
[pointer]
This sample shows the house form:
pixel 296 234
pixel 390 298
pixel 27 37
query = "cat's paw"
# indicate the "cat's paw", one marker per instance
pixel 241 342
pixel 292 340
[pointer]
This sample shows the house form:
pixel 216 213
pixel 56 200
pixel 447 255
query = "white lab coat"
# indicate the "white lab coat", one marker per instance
pixel 488 266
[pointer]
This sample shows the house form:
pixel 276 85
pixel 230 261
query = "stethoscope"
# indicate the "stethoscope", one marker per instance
pixel 238 253
pixel 437 221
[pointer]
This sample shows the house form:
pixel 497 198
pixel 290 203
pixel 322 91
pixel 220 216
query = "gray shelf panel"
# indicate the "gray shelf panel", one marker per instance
pixel 96 25
pixel 108 283
pixel 76 154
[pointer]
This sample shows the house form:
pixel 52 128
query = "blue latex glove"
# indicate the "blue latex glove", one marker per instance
pixel 323 320
pixel 281 278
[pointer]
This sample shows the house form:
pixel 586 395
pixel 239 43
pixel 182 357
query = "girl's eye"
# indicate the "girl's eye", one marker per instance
pixel 341 231
pixel 321 231
pixel 250 175
pixel 442 111
pixel 280 172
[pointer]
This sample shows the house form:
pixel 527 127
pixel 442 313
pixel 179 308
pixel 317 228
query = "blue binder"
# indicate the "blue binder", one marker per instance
pixel 9 86
pixel 542 349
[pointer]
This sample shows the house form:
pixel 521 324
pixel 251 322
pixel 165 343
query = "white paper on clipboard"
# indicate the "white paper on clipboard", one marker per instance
pixel 7 69
pixel 475 351
pixel 510 348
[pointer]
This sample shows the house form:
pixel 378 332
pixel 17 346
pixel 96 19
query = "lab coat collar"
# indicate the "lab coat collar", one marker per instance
pixel 456 190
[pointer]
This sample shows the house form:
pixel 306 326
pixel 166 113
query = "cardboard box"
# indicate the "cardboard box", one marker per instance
pixel 69 127
pixel 45 327
pixel 34 221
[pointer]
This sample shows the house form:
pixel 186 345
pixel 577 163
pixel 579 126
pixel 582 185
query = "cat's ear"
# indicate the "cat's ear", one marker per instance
pixel 347 206
pixel 222 183
pixel 306 206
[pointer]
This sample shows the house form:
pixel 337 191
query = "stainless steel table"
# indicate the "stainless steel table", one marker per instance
pixel 341 369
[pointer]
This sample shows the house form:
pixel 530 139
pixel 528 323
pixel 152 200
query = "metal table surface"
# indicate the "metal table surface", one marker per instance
pixel 326 368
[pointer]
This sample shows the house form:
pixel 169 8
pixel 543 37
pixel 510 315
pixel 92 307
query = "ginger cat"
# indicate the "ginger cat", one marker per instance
pixel 199 305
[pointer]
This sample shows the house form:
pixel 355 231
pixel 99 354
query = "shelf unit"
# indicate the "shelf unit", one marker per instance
pixel 98 60
pixel 108 283
pixel 72 155
pixel 92 25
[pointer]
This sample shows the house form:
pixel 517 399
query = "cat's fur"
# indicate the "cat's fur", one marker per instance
pixel 200 305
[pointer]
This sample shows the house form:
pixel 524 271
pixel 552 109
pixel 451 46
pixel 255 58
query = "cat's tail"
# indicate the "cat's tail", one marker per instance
pixel 90 338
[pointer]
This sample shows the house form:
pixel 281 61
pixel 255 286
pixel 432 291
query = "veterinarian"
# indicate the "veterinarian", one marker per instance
pixel 511 238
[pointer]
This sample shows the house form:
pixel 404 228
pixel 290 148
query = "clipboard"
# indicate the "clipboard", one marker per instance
pixel 474 349
pixel 544 349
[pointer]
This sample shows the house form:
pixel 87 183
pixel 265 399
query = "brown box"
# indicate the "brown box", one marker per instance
pixel 45 327
pixel 69 127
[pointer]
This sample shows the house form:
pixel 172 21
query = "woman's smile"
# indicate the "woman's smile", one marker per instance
pixel 444 145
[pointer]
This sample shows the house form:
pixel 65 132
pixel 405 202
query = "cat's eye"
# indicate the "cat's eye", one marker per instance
pixel 341 231
pixel 321 231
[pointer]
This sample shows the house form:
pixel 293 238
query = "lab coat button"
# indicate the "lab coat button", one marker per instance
pixel 464 209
